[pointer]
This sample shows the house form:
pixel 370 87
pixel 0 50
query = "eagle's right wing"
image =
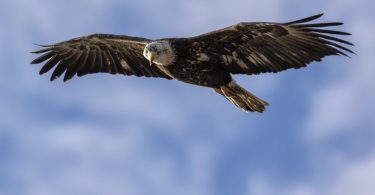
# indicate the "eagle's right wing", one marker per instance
pixel 254 48
pixel 114 54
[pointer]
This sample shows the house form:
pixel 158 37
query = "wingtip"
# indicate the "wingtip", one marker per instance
pixel 40 51
pixel 43 71
pixel 45 48
pixel 348 55
pixel 52 78
pixel 343 33
pixel 354 53
pixel 35 61
pixel 40 45
pixel 67 77
pixel 304 20
pixel 316 16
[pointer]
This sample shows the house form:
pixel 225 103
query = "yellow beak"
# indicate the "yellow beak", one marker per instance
pixel 151 59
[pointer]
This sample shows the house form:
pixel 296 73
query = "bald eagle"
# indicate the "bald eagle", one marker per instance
pixel 207 60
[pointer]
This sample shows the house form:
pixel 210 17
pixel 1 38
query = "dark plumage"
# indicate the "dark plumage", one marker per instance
pixel 97 53
pixel 205 60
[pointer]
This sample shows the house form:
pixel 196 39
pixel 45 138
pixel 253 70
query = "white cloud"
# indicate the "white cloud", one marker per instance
pixel 88 159
pixel 347 102
pixel 347 178
pixel 356 178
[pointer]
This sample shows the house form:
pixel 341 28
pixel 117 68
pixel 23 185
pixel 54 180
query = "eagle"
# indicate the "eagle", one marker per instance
pixel 207 60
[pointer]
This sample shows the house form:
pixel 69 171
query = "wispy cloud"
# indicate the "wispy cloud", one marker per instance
pixel 346 104
pixel 352 177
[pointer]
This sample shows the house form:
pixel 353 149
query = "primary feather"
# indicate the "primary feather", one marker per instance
pixel 114 54
pixel 254 48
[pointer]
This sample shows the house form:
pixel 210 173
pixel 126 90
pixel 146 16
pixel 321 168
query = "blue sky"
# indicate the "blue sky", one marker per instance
pixel 104 134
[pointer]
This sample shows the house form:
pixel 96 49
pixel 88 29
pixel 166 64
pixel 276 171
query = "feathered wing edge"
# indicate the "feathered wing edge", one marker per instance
pixel 264 47
pixel 79 57
pixel 300 44
pixel 323 35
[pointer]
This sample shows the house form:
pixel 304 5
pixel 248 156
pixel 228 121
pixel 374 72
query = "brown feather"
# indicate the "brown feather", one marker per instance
pixel 270 47
pixel 97 53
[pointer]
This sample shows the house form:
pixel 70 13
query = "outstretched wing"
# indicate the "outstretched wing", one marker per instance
pixel 254 48
pixel 114 54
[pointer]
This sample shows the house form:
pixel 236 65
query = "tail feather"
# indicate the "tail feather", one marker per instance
pixel 241 97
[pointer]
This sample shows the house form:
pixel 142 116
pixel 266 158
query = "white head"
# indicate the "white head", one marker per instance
pixel 160 53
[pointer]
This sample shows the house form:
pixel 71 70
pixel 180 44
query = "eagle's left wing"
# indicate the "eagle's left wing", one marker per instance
pixel 114 54
pixel 254 48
